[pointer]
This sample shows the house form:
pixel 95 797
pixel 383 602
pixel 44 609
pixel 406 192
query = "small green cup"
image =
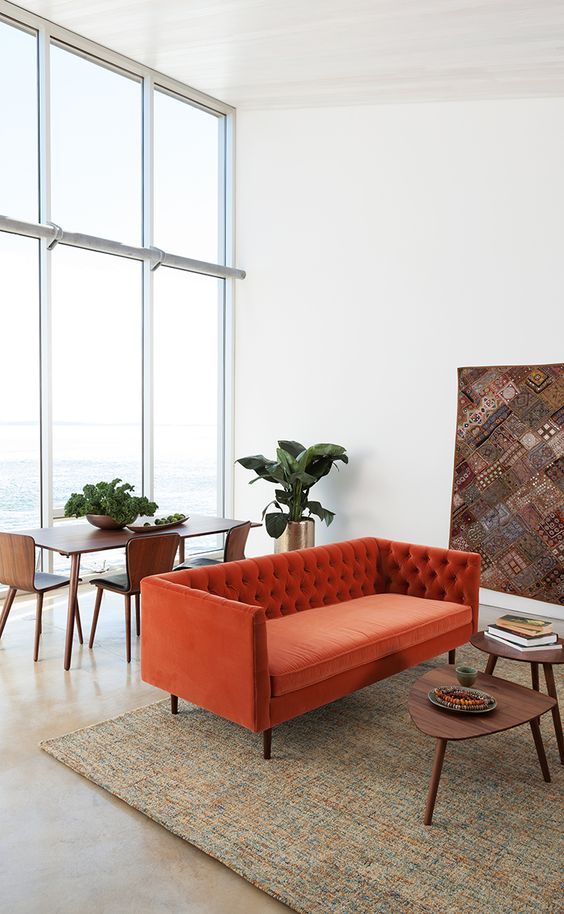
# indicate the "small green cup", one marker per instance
pixel 466 675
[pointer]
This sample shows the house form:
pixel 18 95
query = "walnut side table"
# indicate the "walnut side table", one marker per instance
pixel 548 658
pixel 516 706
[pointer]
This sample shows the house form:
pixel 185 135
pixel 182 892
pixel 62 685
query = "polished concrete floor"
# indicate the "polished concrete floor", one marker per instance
pixel 65 844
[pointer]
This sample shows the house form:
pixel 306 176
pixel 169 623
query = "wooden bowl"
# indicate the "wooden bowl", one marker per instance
pixel 103 522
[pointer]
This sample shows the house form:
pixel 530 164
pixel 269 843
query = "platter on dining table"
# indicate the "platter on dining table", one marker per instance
pixel 148 524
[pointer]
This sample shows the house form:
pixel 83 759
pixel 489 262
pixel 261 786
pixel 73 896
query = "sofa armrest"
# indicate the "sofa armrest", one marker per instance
pixel 431 572
pixel 206 649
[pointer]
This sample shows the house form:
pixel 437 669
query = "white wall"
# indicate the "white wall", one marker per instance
pixel 386 246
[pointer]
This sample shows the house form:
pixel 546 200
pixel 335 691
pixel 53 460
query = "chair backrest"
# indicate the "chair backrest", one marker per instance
pixel 235 542
pixel 17 561
pixel 151 554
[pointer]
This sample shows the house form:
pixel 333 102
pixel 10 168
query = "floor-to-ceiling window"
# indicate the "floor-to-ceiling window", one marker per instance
pixel 20 481
pixel 112 327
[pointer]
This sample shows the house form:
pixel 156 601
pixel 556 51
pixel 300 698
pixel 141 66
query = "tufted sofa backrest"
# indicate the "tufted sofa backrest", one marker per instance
pixel 431 572
pixel 293 581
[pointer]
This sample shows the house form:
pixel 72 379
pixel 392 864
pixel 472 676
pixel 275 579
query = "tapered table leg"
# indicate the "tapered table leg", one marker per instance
pixel 551 689
pixel 535 727
pixel 535 676
pixel 435 778
pixel 73 592
pixel 490 666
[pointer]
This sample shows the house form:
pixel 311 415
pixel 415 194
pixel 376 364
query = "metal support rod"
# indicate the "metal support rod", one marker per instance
pixel 153 256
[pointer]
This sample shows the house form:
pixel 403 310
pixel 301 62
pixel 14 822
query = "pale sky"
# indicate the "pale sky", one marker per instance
pixel 96 188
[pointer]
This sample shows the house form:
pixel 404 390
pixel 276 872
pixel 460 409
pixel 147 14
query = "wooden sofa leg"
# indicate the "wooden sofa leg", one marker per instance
pixel 267 743
pixel 452 656
pixel 174 704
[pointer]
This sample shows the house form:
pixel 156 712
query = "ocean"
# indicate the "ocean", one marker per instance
pixel 185 471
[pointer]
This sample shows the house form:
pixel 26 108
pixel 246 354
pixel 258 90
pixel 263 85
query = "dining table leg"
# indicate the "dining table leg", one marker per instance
pixel 73 595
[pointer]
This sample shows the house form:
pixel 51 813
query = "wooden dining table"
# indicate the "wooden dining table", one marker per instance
pixel 74 540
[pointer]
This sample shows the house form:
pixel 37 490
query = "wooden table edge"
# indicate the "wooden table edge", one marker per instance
pixel 461 717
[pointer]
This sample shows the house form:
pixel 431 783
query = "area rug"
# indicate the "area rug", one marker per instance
pixel 333 823
pixel 509 477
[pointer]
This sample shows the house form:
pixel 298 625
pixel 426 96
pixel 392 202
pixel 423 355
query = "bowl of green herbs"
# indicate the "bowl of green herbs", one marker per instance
pixel 109 505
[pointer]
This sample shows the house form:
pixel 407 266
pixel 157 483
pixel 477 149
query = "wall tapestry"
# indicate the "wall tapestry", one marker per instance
pixel 507 497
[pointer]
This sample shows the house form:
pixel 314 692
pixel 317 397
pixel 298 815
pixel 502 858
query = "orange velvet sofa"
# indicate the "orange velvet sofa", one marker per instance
pixel 263 640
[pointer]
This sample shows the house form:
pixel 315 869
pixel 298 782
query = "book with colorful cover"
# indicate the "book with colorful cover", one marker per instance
pixel 515 627
pixel 525 626
pixel 521 638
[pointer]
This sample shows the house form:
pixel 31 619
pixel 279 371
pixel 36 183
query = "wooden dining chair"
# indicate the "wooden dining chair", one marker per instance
pixel 234 549
pixel 17 571
pixel 144 555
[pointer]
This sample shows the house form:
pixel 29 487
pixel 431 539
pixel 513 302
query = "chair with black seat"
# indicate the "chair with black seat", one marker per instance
pixel 17 571
pixel 234 549
pixel 144 556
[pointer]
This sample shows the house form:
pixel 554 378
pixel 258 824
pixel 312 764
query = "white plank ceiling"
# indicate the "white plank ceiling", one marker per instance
pixel 289 53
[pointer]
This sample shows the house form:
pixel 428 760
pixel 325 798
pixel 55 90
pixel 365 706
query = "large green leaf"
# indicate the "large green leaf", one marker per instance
pixel 276 524
pixel 256 462
pixel 327 450
pixel 272 472
pixel 282 496
pixel 319 467
pixel 285 459
pixel 276 474
pixel 293 447
pixel 314 507
pixel 273 502
pixel 306 479
pixel 323 452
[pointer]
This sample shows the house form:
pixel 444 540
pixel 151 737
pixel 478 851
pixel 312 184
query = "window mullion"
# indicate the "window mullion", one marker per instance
pixel 148 350
pixel 45 287
pixel 227 362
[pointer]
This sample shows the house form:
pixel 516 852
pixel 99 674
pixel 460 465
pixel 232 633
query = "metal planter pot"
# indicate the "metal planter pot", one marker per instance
pixel 298 535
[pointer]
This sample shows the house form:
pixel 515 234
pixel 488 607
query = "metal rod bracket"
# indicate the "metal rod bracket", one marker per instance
pixel 58 236
pixel 159 258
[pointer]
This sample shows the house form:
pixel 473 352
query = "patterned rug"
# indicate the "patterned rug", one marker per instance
pixel 507 501
pixel 333 823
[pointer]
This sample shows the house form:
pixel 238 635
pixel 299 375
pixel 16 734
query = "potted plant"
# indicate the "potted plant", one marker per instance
pixel 109 505
pixel 295 471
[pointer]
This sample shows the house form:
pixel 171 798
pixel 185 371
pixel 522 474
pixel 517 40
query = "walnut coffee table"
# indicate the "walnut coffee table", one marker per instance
pixel 516 705
pixel 548 657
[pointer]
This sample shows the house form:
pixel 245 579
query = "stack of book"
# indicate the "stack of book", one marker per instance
pixel 524 634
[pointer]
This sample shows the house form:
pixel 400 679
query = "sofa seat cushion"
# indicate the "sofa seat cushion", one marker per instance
pixel 316 644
